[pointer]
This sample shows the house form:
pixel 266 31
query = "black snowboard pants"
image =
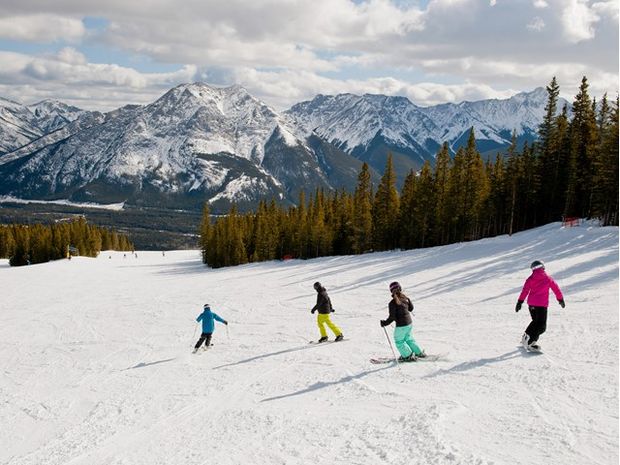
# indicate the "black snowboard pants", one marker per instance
pixel 203 337
pixel 538 324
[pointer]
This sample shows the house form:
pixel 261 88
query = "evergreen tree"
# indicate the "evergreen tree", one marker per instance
pixel 425 205
pixel 407 224
pixel 605 189
pixel 385 210
pixel 583 143
pixel 475 189
pixel 548 126
pixel 205 232
pixel 362 216
pixel 550 154
pixel 494 208
pixel 441 180
pixel 514 175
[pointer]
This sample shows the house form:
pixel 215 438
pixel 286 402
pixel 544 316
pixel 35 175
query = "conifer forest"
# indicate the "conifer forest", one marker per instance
pixel 38 243
pixel 571 171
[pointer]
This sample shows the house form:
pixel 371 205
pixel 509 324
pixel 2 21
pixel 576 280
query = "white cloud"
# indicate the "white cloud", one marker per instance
pixel 70 55
pixel 536 24
pixel 578 19
pixel 449 48
pixel 67 76
pixel 41 27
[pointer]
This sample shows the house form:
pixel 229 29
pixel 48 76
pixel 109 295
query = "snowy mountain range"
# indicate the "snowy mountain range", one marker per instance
pixel 198 142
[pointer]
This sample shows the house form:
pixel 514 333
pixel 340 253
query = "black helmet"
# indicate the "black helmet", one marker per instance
pixel 536 264
pixel 207 307
pixel 317 286
pixel 395 287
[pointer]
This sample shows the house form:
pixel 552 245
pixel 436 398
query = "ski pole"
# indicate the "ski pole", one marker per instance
pixel 194 335
pixel 390 344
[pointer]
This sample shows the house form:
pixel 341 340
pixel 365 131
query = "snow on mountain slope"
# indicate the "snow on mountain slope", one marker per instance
pixel 155 154
pixel 52 115
pixel 97 366
pixel 21 124
pixel 17 126
pixel 493 120
pixel 151 155
pixel 353 122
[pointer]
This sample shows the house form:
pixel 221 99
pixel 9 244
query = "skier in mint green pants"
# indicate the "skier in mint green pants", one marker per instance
pixel 400 311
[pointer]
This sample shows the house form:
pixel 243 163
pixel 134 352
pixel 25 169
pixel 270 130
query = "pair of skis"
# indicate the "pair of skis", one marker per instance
pixel 428 358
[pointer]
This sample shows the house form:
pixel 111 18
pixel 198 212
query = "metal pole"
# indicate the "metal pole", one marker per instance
pixel 194 335
pixel 390 344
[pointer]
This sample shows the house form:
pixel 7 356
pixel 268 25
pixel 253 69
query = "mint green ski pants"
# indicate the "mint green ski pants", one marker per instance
pixel 405 343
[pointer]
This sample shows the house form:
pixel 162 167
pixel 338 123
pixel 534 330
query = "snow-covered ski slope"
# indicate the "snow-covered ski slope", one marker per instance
pixel 96 365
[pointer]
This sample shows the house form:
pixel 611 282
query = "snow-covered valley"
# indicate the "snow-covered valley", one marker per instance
pixel 97 365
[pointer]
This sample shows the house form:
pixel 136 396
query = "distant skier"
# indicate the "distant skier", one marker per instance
pixel 324 307
pixel 400 308
pixel 536 289
pixel 208 326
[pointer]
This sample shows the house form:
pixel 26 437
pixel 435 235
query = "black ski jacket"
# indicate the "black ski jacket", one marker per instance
pixel 323 302
pixel 400 313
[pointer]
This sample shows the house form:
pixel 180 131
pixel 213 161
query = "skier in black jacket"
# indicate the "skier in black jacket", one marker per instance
pixel 324 307
pixel 400 308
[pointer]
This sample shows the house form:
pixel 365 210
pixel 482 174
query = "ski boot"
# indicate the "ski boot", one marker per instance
pixel 421 354
pixel 195 350
pixel 525 339
pixel 323 339
pixel 410 358
pixel 340 337
pixel 534 347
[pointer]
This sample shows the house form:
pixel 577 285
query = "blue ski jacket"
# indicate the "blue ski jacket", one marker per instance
pixel 208 320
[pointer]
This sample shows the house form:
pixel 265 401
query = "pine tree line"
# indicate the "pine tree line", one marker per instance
pixel 571 171
pixel 38 243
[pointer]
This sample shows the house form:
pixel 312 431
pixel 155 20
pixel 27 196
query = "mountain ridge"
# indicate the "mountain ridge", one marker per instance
pixel 199 142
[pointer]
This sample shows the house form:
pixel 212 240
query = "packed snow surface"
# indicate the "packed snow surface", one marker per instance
pixel 97 369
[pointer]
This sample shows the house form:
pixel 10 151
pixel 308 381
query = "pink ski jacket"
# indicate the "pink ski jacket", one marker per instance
pixel 536 289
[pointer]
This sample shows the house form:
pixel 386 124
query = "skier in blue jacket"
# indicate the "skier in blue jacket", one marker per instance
pixel 208 326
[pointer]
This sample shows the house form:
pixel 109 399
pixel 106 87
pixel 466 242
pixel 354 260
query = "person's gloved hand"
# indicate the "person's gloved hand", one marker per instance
pixel 384 323
pixel 561 302
pixel 518 306
pixel 226 323
pixel 312 311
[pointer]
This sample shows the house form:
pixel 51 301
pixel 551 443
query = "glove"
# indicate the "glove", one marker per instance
pixel 518 306
pixel 226 323
pixel 332 310
pixel 312 311
pixel 561 302
pixel 384 323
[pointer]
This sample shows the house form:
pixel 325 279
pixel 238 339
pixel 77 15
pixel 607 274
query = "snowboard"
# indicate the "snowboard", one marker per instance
pixel 428 358
pixel 527 350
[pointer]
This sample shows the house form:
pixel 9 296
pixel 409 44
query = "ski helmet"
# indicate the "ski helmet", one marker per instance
pixel 395 287
pixel 207 307
pixel 536 264
pixel 317 286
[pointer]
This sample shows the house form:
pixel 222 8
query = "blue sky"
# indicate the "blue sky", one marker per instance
pixel 432 51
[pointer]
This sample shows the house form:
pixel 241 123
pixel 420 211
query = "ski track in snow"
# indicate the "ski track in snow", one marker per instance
pixel 97 369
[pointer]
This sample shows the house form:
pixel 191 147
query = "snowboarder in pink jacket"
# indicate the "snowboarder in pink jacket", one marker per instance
pixel 536 289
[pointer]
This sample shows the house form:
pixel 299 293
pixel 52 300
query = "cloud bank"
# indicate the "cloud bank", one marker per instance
pixel 94 55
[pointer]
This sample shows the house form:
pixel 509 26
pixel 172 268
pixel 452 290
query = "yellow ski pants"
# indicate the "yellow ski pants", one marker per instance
pixel 322 320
